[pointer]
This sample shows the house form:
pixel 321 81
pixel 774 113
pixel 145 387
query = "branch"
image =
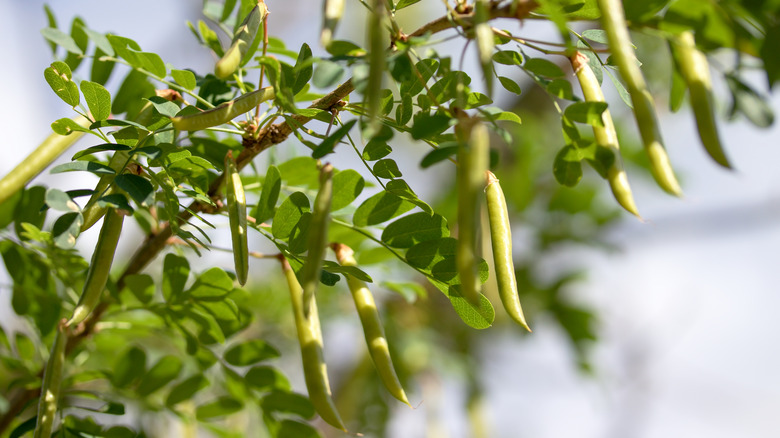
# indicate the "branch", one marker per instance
pixel 266 138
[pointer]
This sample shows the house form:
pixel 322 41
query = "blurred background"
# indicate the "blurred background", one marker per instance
pixel 661 327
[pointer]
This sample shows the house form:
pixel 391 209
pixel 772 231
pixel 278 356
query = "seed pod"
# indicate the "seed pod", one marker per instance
pixel 372 326
pixel 310 337
pixel 224 112
pixel 695 71
pixel 317 242
pixel 50 388
pixel 614 23
pixel 376 66
pixel 99 267
pixel 236 206
pixel 245 42
pixel 485 43
pixel 606 136
pixel 331 15
pixel 92 211
pixel 473 160
pixel 48 151
pixel 501 239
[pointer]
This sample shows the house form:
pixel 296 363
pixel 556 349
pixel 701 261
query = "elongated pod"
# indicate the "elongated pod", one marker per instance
pixel 376 67
pixel 332 10
pixel 605 136
pixel 224 112
pixel 315 371
pixel 245 38
pixel 501 240
pixel 317 241
pixel 695 71
pixel 92 211
pixel 50 388
pixel 372 326
pixel 48 151
pixel 614 23
pixel 236 206
pixel 473 160
pixel 99 267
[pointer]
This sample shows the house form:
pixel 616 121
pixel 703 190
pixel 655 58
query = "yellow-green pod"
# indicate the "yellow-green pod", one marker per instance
pixel 614 23
pixel 376 65
pixel 236 206
pixel 99 267
pixel 245 37
pixel 48 151
pixel 315 371
pixel 695 71
pixel 485 42
pixel 332 11
pixel 317 242
pixel 224 112
pixel 473 160
pixel 372 326
pixel 50 388
pixel 501 240
pixel 606 136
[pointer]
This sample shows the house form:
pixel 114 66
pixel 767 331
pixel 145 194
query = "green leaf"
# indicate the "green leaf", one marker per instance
pixel 66 126
pixel 376 149
pixel 79 36
pixel 508 57
pixel 330 142
pixel 99 148
pixel 404 111
pixel 265 378
pixel 380 208
pixel 186 389
pixel 621 89
pixel 288 403
pixel 599 35
pixel 543 67
pixel 426 68
pixel 250 352
pixel 98 99
pixel 30 210
pixel 185 78
pixel 58 76
pixel 300 171
pixel 289 214
pixel 401 189
pixel 347 186
pixel 138 187
pixel 387 168
pixel 270 194
pixel 129 367
pixel 141 286
pixel 415 228
pixel 748 102
pixel 477 318
pixel 163 372
pixel 327 74
pixel 61 39
pixel 404 3
pixel 60 201
pixel 453 84
pixel 427 125
pixel 560 88
pixel 437 155
pixel 425 255
pixel 212 284
pixel 296 429
pixel 566 167
pixel 220 407
pixel 66 229
pixel 86 166
pixel 509 85
pixel 303 69
pixel 586 112
pixel 176 271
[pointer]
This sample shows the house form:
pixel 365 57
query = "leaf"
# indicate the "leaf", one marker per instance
pixel 387 168
pixel 66 126
pixel 543 67
pixel 401 189
pixel 176 270
pixel 60 201
pixel 266 378
pixel 560 88
pixel 141 286
pixel 138 187
pixel 597 35
pixel 269 195
pixel 327 74
pixel 185 78
pixel 380 208
pixel 415 228
pixel 330 142
pixel 451 85
pixel 66 229
pixel 300 171
pixel 404 3
pixel 376 149
pixel 509 85
pixel 129 367
pixel 58 76
pixel 163 372
pixel 404 111
pixel 250 352
pixel 99 148
pixel 61 39
pixel 347 186
pixel 508 57
pixel 748 102
pixel 98 99
pixel 586 112
pixel 212 284
pixel 426 68
pixel 289 214
pixel 566 167
pixel 427 125
pixel 303 69
pixel 477 318
pixel 220 407
pixel 296 429
pixel 437 155
pixel 287 402
pixel 86 166
pixel 186 389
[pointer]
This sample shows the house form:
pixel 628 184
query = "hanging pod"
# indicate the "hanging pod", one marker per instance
pixel 317 241
pixel 245 42
pixel 50 388
pixel 236 207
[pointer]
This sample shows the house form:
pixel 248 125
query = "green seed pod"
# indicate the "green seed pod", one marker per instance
pixel 606 136
pixel 236 206
pixel 695 71
pixel 317 242
pixel 614 23
pixel 244 40
pixel 332 10
pixel 48 151
pixel 224 112
pixel 92 211
pixel 310 337
pixel 376 65
pixel 485 42
pixel 501 239
pixel 99 267
pixel 372 326
pixel 473 160
pixel 50 388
